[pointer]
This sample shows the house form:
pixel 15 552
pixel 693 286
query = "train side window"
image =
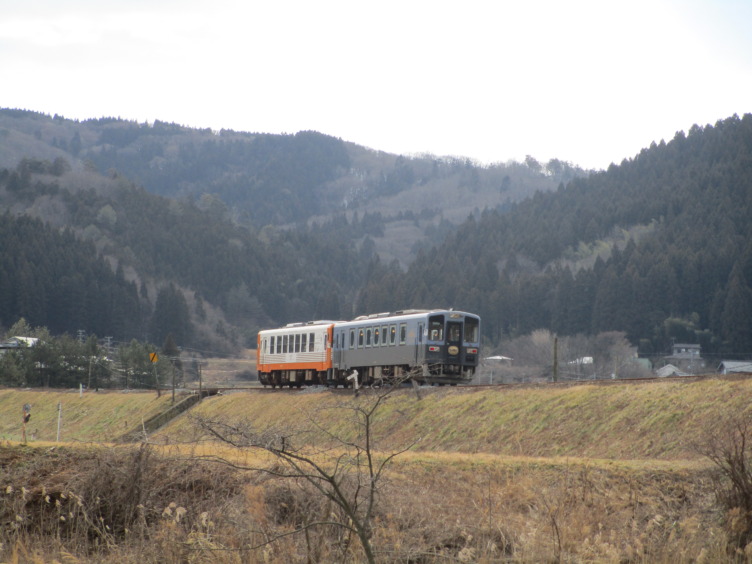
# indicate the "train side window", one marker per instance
pixel 361 335
pixel 284 344
pixel 297 343
pixel 352 338
pixel 376 334
pixel 403 333
pixel 392 334
pixel 368 337
pixel 311 341
pixel 271 344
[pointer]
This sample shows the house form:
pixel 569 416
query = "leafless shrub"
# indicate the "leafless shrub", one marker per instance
pixel 729 448
pixel 347 474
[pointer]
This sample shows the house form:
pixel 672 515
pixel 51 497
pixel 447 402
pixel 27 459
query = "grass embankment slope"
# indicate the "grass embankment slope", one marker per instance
pixel 660 420
pixel 91 417
pixel 555 473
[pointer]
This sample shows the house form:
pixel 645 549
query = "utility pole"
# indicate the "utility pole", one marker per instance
pixel 59 419
pixel 556 359
pixel 200 392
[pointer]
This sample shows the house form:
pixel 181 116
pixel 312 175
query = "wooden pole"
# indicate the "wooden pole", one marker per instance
pixel 556 359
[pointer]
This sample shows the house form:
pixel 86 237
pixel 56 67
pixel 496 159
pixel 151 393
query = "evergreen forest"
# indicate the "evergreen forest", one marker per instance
pixel 147 230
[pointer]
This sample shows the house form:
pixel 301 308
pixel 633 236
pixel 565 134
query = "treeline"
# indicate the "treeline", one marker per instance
pixel 42 359
pixel 686 278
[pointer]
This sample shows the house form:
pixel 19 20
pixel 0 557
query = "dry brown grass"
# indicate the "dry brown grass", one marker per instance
pixel 551 474
pixel 139 505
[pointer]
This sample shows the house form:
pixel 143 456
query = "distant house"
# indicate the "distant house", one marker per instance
pixel 670 370
pixel 17 343
pixel 686 358
pixel 734 366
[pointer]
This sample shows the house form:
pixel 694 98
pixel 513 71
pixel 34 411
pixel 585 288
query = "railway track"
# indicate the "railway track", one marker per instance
pixel 218 390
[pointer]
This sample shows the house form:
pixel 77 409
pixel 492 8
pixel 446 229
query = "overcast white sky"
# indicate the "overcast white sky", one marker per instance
pixel 590 82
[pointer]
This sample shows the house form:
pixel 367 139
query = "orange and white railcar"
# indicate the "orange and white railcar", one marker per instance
pixel 296 354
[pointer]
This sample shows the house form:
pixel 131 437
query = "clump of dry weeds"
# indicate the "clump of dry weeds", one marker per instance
pixel 131 504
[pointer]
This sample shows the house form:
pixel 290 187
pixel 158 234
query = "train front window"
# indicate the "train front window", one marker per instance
pixel 436 328
pixel 453 330
pixel 472 330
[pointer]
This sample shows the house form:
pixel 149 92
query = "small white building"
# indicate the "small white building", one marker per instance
pixel 735 366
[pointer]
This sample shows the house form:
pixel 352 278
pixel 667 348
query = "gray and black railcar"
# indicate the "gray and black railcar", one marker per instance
pixel 428 346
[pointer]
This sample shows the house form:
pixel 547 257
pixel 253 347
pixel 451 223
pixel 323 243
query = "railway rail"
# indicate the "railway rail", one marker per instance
pixel 218 390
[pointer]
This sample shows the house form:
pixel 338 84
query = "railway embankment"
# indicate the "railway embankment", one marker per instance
pixel 657 419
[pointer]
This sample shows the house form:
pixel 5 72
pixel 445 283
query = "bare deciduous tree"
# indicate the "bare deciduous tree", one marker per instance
pixel 344 468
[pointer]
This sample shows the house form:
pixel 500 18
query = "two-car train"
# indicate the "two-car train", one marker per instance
pixel 428 346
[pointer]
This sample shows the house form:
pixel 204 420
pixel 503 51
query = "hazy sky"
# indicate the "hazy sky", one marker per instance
pixel 590 82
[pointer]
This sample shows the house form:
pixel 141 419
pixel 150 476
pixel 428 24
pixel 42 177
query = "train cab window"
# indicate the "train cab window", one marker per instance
pixel 352 338
pixel 361 336
pixel 384 333
pixel 376 334
pixel 436 328
pixel 454 332
pixel 403 333
pixel 392 334
pixel 472 330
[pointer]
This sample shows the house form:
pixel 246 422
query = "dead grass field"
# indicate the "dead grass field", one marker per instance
pixel 543 474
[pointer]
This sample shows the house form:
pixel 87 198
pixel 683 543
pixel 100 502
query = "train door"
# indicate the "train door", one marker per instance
pixel 420 353
pixel 339 344
pixel 454 342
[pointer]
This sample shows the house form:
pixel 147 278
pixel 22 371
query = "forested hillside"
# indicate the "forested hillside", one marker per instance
pixel 155 243
pixel 257 179
pixel 211 235
pixel 659 246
